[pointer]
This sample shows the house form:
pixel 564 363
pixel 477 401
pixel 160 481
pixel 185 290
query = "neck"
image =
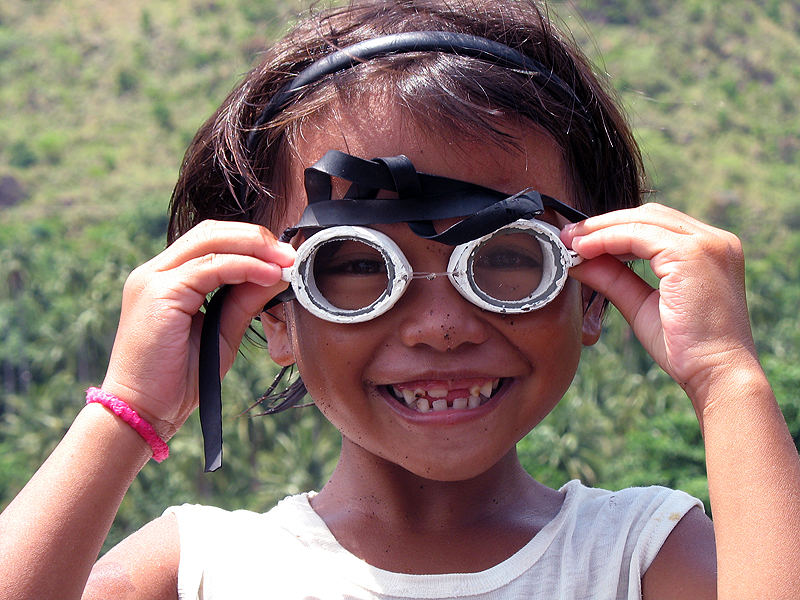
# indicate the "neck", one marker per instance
pixel 370 504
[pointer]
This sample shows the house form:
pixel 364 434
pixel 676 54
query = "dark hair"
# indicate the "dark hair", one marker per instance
pixel 465 96
pixel 468 98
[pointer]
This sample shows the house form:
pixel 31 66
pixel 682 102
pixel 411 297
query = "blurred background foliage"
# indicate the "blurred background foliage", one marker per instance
pixel 99 101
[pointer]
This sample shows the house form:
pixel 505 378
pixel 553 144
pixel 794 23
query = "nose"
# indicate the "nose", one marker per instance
pixel 434 314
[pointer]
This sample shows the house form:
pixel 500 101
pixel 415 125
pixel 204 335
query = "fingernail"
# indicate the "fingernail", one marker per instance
pixel 568 227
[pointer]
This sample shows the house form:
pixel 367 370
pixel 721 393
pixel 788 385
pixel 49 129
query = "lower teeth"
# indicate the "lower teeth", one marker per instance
pixel 424 404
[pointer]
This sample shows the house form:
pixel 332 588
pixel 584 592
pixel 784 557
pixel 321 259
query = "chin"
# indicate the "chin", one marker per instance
pixel 452 468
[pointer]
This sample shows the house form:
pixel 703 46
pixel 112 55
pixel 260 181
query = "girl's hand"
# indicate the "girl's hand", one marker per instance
pixel 154 362
pixel 695 324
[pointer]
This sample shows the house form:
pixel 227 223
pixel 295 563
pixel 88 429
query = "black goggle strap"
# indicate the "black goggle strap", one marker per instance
pixel 418 41
pixel 419 196
pixel 527 204
pixel 420 199
pixel 209 383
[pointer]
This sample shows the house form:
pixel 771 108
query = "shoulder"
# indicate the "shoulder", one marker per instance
pixel 168 554
pixel 217 547
pixel 634 521
pixel 660 537
pixel 640 507
pixel 142 566
pixel 686 564
pixel 669 540
pixel 198 522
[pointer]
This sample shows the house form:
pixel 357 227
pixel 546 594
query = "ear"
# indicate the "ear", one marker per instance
pixel 593 309
pixel 277 334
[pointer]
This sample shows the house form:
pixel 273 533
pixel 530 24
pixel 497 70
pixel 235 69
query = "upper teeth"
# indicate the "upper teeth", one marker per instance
pixel 408 395
pixel 436 398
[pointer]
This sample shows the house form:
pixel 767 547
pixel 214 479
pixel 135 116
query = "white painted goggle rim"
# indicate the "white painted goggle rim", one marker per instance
pixel 399 272
pixel 554 274
pixel 301 274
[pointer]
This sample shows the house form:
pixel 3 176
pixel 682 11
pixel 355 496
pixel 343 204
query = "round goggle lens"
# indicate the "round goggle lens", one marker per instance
pixel 350 274
pixel 508 266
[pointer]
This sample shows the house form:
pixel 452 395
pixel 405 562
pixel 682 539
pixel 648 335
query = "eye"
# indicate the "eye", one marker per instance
pixel 350 274
pixel 508 258
pixel 348 258
pixel 509 251
pixel 354 266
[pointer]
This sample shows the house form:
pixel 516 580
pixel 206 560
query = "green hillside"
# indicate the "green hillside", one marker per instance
pixel 99 100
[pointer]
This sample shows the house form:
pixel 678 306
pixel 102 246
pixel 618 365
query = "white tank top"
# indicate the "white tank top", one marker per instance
pixel 598 546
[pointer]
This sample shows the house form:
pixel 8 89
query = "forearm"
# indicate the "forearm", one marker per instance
pixel 754 484
pixel 52 532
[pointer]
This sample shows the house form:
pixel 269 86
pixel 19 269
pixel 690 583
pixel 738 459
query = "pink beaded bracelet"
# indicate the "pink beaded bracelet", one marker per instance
pixel 132 418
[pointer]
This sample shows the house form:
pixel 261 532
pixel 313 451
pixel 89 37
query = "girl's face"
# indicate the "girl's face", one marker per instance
pixel 433 341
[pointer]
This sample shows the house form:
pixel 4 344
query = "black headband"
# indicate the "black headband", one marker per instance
pixel 419 41
pixel 460 44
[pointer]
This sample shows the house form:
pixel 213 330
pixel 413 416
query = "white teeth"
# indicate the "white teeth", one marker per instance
pixel 484 390
pixel 460 403
pixel 408 396
pixel 423 400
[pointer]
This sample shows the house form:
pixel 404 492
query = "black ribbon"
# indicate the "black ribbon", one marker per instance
pixel 210 385
pixel 429 205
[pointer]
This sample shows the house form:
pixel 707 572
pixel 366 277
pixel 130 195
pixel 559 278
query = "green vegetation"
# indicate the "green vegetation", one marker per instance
pixel 99 100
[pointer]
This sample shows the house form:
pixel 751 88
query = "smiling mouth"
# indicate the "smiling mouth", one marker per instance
pixel 437 396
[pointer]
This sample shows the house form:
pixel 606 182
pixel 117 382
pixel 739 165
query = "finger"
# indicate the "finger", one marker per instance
pixel 230 237
pixel 201 276
pixel 641 240
pixel 633 297
pixel 651 213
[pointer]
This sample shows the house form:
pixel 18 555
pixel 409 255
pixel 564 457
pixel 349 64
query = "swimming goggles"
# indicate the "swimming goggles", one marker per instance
pixel 350 274
pixel 492 210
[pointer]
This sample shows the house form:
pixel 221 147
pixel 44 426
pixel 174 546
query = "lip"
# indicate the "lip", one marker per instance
pixel 447 417
pixel 442 375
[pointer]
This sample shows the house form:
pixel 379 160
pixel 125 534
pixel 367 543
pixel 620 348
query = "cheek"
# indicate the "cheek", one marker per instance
pixel 570 328
pixel 558 323
pixel 331 360
pixel 551 337
pixel 569 323
pixel 573 300
pixel 330 357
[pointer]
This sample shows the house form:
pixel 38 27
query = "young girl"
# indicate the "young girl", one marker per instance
pixel 430 191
